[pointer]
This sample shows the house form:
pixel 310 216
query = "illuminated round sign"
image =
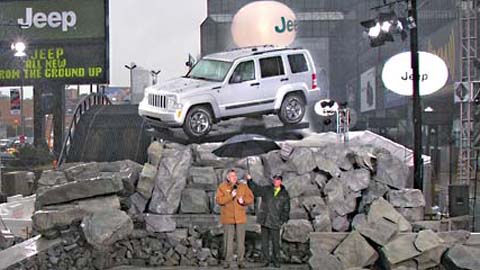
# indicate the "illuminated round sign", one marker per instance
pixel 397 73
pixel 264 23
pixel 326 107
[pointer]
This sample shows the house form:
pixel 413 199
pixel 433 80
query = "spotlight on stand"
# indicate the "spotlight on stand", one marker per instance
pixel 382 28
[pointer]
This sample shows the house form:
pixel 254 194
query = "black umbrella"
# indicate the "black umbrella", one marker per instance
pixel 244 145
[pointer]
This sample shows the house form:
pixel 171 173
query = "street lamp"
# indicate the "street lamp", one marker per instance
pixel 154 74
pixel 131 68
pixel 19 48
pixel 380 30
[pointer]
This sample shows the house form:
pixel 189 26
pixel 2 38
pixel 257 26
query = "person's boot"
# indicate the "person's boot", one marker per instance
pixel 266 264
pixel 241 265
pixel 226 265
pixel 276 265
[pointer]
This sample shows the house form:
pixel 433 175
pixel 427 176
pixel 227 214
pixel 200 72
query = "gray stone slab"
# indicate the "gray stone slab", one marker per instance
pixel 462 257
pixel 379 232
pixel 391 170
pixel 146 183
pixel 380 208
pixel 194 201
pixel 324 261
pixel 355 251
pixel 154 152
pixel 406 198
pixel 322 223
pixel 326 241
pixel 79 190
pixel 159 223
pixel 171 179
pixel 356 180
pixel 202 178
pixel 63 215
pixel 427 240
pixel 302 160
pixel 102 229
pixel 297 231
pixel 52 177
pixel 400 249
pixel 452 238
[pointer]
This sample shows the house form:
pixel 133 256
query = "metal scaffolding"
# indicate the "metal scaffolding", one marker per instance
pixel 469 54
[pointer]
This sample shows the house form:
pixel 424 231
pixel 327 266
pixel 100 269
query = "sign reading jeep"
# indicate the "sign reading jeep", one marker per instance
pixel 65 19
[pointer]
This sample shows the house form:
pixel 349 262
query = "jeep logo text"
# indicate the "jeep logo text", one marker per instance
pixel 286 25
pixel 54 19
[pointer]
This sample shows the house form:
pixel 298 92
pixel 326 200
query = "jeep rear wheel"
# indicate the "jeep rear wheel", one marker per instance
pixel 292 109
pixel 198 122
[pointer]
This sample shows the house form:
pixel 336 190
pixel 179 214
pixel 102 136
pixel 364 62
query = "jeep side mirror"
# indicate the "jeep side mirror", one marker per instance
pixel 236 78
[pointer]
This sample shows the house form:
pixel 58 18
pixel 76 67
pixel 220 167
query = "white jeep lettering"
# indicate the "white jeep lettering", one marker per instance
pixel 54 19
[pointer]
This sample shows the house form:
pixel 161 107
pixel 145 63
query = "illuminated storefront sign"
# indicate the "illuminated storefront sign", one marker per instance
pixel 397 74
pixel 66 42
pixel 264 23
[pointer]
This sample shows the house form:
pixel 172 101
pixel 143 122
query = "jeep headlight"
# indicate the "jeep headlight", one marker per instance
pixel 172 102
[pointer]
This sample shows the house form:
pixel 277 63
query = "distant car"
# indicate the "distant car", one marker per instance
pixel 248 81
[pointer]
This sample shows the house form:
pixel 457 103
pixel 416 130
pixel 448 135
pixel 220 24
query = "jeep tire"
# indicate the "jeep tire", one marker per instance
pixel 198 122
pixel 292 109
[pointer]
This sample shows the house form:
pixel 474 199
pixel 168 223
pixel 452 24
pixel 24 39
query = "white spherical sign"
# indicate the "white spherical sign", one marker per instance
pixel 264 23
pixel 397 73
pixel 326 107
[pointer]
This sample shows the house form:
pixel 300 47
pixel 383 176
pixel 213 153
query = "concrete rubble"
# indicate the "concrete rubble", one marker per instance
pixel 351 208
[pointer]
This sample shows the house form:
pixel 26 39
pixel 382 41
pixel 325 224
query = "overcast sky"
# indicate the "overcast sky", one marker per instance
pixel 155 34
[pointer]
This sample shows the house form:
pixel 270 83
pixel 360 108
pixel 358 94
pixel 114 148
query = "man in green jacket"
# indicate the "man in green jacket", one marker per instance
pixel 274 211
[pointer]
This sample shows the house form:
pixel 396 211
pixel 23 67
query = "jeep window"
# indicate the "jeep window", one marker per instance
pixel 271 66
pixel 297 63
pixel 243 72
pixel 210 70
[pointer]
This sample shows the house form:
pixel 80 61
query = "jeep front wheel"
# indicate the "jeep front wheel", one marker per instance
pixel 292 109
pixel 198 122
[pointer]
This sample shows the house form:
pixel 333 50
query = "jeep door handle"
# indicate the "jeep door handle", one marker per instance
pixel 255 84
pixel 284 79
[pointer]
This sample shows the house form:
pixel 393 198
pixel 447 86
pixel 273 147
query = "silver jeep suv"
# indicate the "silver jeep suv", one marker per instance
pixel 247 81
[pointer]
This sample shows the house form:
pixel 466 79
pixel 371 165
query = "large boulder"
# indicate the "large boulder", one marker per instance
pixel 356 180
pixel 202 178
pixel 273 164
pixel 322 223
pixel 314 205
pixel 327 242
pixel 297 231
pixel 171 179
pixel 379 232
pixel 324 163
pixel 400 249
pixel 391 170
pixel 154 152
pixel 302 160
pixel 432 249
pixel 102 229
pixel 355 251
pixel 194 201
pixel 159 223
pixel 406 198
pixel 325 261
pixel 65 214
pixel 339 198
pixel 138 203
pixel 380 208
pixel 203 156
pixel 79 190
pixel 462 258
pixel 81 171
pixel 298 185
pixel 51 178
pixel 147 181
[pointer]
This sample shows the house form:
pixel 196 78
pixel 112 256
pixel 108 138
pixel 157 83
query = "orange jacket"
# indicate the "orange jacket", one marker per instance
pixel 231 211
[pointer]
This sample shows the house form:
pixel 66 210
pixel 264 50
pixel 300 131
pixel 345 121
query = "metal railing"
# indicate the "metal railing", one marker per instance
pixel 83 106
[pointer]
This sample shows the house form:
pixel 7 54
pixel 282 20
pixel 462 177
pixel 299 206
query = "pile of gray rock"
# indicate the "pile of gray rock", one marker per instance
pixel 134 214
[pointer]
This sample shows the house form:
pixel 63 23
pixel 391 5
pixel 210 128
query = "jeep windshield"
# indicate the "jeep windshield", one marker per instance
pixel 210 70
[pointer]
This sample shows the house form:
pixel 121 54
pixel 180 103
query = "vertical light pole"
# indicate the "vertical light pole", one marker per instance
pixel 154 74
pixel 417 106
pixel 19 48
pixel 131 68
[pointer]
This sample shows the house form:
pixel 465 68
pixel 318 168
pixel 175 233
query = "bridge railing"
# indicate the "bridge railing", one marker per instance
pixel 83 106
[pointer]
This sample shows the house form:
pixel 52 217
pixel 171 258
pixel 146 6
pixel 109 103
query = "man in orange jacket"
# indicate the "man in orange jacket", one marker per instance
pixel 233 197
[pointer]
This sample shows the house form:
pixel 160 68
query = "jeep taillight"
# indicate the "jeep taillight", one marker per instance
pixel 314 81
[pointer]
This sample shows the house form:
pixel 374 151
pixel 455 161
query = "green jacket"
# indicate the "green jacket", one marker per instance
pixel 274 210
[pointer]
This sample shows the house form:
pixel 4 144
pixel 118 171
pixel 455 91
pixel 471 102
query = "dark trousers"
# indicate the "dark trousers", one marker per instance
pixel 274 236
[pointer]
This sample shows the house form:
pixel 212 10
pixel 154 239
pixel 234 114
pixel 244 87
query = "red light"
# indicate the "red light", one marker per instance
pixel 314 81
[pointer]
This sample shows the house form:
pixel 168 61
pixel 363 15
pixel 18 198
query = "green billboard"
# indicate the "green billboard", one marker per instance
pixel 67 41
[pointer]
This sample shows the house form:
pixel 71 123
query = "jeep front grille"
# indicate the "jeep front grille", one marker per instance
pixel 157 101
